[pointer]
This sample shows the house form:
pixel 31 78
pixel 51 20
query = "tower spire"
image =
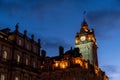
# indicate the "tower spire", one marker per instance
pixel 84 23
pixel 84 14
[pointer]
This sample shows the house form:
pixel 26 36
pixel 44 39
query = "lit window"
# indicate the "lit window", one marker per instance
pixel 26 61
pixel 19 41
pixel 86 65
pixel 2 77
pixel 18 58
pixel 63 64
pixel 56 64
pixel 16 78
pixel 5 54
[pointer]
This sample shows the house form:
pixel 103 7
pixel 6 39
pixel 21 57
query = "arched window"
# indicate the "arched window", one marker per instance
pixel 2 77
pixel 5 54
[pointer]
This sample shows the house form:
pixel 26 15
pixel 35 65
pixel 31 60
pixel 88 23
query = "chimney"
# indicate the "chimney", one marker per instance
pixel 76 51
pixel 61 51
pixel 32 37
pixel 39 46
pixel 43 54
pixel 25 32
pixel 38 42
pixel 16 27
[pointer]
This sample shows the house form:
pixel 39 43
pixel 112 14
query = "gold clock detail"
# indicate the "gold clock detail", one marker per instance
pixel 83 38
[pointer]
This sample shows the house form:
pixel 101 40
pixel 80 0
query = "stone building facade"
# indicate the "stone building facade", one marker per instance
pixel 19 56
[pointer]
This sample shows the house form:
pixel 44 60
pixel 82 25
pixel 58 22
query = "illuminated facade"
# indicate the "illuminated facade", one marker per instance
pixel 86 42
pixel 22 59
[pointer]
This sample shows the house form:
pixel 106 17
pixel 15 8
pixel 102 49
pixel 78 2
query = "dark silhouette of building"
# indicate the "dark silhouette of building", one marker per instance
pixel 22 59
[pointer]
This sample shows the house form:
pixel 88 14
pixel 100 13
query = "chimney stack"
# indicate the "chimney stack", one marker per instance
pixel 43 53
pixel 61 51
pixel 25 32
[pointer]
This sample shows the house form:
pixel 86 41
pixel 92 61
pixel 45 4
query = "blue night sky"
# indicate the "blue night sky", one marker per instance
pixel 56 22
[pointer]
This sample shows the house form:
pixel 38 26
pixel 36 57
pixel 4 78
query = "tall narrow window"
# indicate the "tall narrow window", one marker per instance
pixel 34 65
pixel 5 54
pixel 2 77
pixel 20 42
pixel 28 46
pixel 16 78
pixel 34 49
pixel 26 62
pixel 18 58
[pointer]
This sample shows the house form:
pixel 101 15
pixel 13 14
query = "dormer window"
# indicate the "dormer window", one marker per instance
pixel 5 55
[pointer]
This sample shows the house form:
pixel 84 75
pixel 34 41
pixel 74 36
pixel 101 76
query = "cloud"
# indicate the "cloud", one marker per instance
pixel 103 17
pixel 51 45
pixel 110 68
pixel 104 22
pixel 112 71
pixel 28 4
pixel 53 42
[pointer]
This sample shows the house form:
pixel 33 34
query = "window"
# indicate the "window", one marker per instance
pixel 26 61
pixel 28 46
pixel 2 77
pixel 5 54
pixel 34 64
pixel 20 42
pixel 16 78
pixel 34 49
pixel 18 58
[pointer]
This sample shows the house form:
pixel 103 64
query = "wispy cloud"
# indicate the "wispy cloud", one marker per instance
pixel 104 22
pixel 53 42
pixel 112 71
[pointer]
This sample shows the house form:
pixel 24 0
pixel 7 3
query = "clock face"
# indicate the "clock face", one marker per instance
pixel 82 38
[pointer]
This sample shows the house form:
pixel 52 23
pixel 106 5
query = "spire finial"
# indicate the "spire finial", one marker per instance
pixel 16 27
pixel 84 21
pixel 84 14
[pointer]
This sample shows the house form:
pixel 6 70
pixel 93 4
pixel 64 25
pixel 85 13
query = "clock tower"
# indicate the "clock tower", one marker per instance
pixel 86 42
